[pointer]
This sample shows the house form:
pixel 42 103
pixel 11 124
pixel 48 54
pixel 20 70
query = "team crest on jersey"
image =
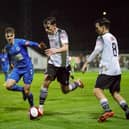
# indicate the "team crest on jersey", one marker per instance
pixel 17 48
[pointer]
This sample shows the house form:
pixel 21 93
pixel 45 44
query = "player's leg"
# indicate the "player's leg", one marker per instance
pixel 6 75
pixel 102 83
pixel 44 93
pixel 102 98
pixel 5 70
pixel 115 91
pixel 50 76
pixel 28 95
pixel 123 104
pixel 63 75
pixel 104 103
pixel 66 88
pixel 27 78
pixel 13 78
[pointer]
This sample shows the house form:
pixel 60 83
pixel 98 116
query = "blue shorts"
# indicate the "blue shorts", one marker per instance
pixel 5 68
pixel 27 74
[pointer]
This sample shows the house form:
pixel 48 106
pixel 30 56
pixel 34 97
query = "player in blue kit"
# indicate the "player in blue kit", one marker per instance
pixel 22 65
pixel 4 61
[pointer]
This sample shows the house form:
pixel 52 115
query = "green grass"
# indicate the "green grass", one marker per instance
pixel 76 110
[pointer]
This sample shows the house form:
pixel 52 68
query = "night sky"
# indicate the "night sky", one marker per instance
pixel 77 18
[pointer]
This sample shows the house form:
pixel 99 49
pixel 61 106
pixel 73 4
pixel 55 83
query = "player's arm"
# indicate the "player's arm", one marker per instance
pixel 52 51
pixel 40 45
pixel 31 44
pixel 64 45
pixel 98 48
pixel 11 62
pixel 84 67
pixel 27 43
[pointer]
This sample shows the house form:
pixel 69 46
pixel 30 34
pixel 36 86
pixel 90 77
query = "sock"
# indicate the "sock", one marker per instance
pixel 17 88
pixel 43 96
pixel 73 86
pixel 30 99
pixel 6 76
pixel 105 105
pixel 124 105
pixel 41 106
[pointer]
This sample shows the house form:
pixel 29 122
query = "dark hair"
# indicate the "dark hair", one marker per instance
pixel 103 21
pixel 9 30
pixel 51 20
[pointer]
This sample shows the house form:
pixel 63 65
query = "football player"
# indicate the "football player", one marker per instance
pixel 22 66
pixel 58 61
pixel 109 69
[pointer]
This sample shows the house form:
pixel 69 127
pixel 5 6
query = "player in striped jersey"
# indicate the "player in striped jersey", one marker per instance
pixel 58 61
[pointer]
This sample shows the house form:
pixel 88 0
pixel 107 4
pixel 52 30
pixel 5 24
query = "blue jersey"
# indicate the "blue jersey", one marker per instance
pixel 4 61
pixel 18 54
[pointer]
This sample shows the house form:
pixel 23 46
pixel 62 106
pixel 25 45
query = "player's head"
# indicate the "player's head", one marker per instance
pixel 50 24
pixel 102 26
pixel 9 34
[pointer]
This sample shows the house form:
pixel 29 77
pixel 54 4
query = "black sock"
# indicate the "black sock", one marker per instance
pixel 105 106
pixel 124 106
pixel 30 99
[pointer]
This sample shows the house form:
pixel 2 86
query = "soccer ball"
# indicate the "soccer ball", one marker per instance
pixel 34 113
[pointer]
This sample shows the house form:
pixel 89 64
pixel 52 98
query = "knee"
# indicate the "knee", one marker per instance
pixel 115 95
pixel 27 90
pixel 47 82
pixel 49 78
pixel 8 86
pixel 65 90
pixel 97 91
pixel 94 92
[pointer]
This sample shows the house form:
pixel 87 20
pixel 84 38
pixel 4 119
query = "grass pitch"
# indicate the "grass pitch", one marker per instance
pixel 76 110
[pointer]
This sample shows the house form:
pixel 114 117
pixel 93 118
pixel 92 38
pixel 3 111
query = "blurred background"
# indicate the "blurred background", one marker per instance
pixel 77 18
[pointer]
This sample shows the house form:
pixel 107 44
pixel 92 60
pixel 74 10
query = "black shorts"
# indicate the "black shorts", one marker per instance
pixel 108 82
pixel 61 73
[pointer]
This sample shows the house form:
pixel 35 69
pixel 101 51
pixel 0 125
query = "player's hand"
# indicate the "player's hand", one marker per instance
pixel 50 51
pixel 84 67
pixel 11 66
pixel 42 45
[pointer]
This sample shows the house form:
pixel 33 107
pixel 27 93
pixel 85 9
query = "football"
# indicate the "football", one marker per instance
pixel 33 113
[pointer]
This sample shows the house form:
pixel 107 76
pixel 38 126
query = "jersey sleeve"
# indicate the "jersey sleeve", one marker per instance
pixel 29 43
pixel 98 48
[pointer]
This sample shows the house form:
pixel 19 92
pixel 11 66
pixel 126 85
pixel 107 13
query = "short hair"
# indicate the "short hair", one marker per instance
pixel 9 30
pixel 50 20
pixel 103 21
